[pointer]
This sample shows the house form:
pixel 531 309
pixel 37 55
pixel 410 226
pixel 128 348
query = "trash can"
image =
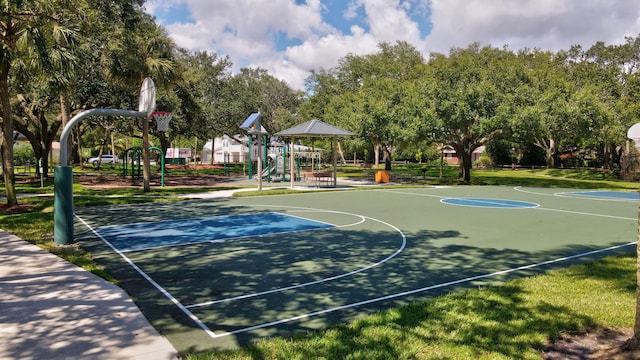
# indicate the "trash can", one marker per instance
pixel 382 176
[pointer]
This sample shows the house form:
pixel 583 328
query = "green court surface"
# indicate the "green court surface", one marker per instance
pixel 326 258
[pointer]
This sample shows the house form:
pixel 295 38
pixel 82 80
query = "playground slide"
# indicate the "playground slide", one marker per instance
pixel 268 171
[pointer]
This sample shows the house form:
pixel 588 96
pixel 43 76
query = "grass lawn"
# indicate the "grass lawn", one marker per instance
pixel 510 321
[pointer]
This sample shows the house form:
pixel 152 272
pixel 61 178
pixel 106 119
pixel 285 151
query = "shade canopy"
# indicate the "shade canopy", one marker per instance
pixel 314 128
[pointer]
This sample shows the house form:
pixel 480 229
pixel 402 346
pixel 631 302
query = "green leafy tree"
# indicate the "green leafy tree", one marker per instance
pixel 138 53
pixel 39 34
pixel 204 78
pixel 375 96
pixel 255 90
pixel 93 86
pixel 468 92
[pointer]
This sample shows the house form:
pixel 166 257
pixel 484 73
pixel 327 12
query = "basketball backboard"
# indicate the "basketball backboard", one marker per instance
pixel 147 102
pixel 634 134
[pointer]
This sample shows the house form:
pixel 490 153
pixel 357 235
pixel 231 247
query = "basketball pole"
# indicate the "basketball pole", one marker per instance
pixel 63 232
pixel 634 135
pixel 146 167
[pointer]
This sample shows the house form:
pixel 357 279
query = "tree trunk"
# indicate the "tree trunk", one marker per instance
pixel 465 154
pixel 77 148
pixel 636 327
pixel 376 154
pixel 164 144
pixel 548 150
pixel 8 172
pixel 466 166
pixel 634 341
pixel 342 159
pixel 64 116
pixel 387 158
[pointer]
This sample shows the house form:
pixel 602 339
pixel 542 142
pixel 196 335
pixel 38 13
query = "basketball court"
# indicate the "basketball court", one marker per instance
pixel 222 273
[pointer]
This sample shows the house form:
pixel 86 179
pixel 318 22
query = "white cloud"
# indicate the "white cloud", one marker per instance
pixel 246 29
pixel 323 52
pixel 390 22
pixel 545 24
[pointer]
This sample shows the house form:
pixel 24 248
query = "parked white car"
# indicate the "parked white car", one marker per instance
pixel 106 159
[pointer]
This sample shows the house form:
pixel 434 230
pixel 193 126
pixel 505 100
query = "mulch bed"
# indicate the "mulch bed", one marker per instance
pixel 602 344
pixel 110 181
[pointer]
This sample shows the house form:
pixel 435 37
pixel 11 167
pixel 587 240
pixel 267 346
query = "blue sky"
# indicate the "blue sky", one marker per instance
pixel 291 37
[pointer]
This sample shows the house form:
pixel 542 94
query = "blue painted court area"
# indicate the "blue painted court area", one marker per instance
pixel 489 203
pixel 142 236
pixel 621 195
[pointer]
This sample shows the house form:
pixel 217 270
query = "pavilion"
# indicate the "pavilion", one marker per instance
pixel 315 128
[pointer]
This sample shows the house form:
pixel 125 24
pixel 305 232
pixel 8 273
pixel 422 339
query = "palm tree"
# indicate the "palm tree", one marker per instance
pixel 146 51
pixel 29 31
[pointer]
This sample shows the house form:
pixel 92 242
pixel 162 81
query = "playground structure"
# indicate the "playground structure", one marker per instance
pixel 313 128
pixel 228 150
pixel 276 166
pixel 133 156
pixel 277 160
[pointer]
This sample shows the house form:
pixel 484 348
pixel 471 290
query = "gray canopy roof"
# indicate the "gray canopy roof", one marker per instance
pixel 315 128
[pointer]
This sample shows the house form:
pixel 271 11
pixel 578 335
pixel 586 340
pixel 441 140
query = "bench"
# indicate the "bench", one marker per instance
pixel 319 177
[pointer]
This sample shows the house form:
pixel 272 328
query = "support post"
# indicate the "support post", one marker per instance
pixel 63 177
pixel 146 167
pixel 292 155
pixel 161 163
pixel 335 161
pixel 63 205
pixel 259 160
pixel 249 157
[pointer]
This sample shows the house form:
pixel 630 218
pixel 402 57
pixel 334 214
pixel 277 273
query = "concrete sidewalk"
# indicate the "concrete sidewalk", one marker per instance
pixel 52 309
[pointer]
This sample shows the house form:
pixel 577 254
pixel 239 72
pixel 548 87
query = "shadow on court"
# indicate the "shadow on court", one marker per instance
pixel 432 263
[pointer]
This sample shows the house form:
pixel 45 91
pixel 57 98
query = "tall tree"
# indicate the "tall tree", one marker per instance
pixel 373 95
pixel 468 92
pixel 37 32
pixel 90 88
pixel 200 92
pixel 543 102
pixel 145 51
pixel 252 90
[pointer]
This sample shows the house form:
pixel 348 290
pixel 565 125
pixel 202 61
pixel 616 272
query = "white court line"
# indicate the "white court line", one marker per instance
pixel 247 296
pixel 186 310
pixel 518 188
pixel 589 214
pixel 411 292
pixel 576 195
pixel 413 194
pixel 151 281
pixel 220 240
pixel 496 202
pixel 362 219
pixel 567 194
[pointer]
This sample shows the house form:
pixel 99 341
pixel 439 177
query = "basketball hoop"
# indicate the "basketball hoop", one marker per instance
pixel 162 120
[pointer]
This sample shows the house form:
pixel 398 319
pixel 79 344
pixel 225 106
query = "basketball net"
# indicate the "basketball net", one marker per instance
pixel 162 120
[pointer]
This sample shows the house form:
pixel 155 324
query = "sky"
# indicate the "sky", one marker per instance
pixel 289 38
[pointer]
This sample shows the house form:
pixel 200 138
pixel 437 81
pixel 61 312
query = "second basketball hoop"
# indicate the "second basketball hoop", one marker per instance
pixel 162 120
